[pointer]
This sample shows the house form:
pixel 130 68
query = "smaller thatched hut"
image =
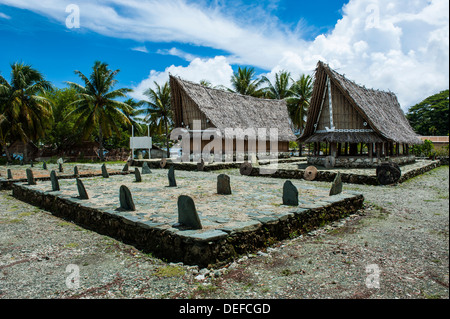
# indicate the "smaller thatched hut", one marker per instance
pixel 199 109
pixel 350 125
pixel 25 149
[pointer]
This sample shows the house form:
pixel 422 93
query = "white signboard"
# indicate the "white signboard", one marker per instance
pixel 141 142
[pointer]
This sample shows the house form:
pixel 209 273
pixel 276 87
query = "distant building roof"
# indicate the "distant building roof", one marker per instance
pixel 379 109
pixel 226 109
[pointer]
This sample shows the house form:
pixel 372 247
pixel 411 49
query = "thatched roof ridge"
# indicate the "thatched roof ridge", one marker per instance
pixel 232 110
pixel 380 109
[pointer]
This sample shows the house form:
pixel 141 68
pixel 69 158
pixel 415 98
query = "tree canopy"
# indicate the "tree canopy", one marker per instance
pixel 430 117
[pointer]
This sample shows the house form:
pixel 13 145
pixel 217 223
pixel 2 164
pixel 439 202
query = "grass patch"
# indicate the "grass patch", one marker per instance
pixel 170 271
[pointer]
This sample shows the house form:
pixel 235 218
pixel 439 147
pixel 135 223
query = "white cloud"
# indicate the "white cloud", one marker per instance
pixel 216 70
pixel 4 16
pixel 142 49
pixel 396 45
pixel 179 53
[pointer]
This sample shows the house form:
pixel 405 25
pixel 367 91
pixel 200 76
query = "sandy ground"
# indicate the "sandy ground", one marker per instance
pixel 396 247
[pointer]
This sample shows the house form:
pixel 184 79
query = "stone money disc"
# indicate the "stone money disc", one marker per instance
pixel 162 164
pixel 246 168
pixel 310 173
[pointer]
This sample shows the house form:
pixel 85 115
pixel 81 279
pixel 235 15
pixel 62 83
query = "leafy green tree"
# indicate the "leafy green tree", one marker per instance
pixel 157 111
pixel 430 117
pixel 243 82
pixel 25 113
pixel 281 88
pixel 96 107
pixel 298 101
pixel 63 130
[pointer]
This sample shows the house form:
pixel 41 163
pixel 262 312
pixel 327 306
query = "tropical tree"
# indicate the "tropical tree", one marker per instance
pixel 298 101
pixel 243 82
pixel 157 110
pixel 281 88
pixel 430 117
pixel 25 113
pixel 96 107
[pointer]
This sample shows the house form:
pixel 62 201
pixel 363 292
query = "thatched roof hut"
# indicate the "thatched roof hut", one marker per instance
pixel 349 119
pixel 222 110
pixel 342 111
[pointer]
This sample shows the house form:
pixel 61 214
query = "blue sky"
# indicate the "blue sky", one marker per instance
pixel 397 45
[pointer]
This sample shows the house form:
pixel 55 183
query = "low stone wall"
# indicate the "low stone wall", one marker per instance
pixel 192 166
pixel 322 176
pixel 190 247
pixel 360 161
pixel 6 184
pixel 329 175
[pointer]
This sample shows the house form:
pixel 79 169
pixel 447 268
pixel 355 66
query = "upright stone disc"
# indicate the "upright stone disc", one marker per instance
pixel 246 168
pixel 310 173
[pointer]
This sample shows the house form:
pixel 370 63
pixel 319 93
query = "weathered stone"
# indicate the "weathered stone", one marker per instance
pixel 31 163
pixel 336 186
pixel 388 173
pixel 125 168
pixel 137 175
pixel 290 194
pixel 163 163
pixel 126 200
pixel 60 167
pixel 171 176
pixel 246 168
pixel 223 184
pixel 30 178
pixel 81 190
pixel 310 173
pixel 330 162
pixel 146 169
pixel 200 165
pixel 104 171
pixel 75 171
pixel 9 173
pixel 54 180
pixel 187 214
pixel 44 165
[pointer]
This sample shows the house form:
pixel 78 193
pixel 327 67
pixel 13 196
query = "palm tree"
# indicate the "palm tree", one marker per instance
pixel 132 114
pixel 158 111
pixel 242 82
pixel 96 106
pixel 298 102
pixel 24 112
pixel 280 89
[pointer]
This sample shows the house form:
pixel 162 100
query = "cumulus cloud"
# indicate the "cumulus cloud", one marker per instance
pixel 4 16
pixel 216 70
pixel 396 45
pixel 142 49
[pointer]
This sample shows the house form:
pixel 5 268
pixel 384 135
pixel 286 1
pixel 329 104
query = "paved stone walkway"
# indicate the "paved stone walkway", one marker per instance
pixel 251 199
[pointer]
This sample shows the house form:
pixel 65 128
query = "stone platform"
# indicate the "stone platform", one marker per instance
pixel 250 218
pixel 40 174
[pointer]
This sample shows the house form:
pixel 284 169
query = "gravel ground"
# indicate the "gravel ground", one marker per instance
pixel 396 247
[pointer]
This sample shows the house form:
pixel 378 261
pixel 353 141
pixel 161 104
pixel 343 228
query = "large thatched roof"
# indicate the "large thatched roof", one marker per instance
pixel 379 109
pixel 225 109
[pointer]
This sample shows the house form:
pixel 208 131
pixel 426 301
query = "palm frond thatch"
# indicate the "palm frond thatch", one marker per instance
pixel 224 109
pixel 380 110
